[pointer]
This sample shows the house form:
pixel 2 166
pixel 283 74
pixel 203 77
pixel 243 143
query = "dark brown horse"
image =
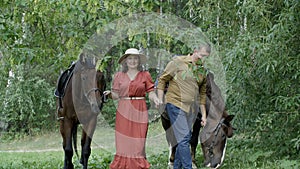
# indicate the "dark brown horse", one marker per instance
pixel 80 104
pixel 214 134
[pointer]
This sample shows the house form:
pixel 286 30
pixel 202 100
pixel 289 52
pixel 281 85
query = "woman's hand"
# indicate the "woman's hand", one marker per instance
pixel 154 98
pixel 107 93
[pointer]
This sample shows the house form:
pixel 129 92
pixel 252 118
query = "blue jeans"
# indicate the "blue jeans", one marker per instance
pixel 182 124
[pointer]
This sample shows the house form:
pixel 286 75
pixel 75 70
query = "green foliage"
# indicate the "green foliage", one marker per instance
pixel 31 160
pixel 108 113
pixel 100 160
pixel 262 70
pixel 103 63
pixel 27 102
pixel 287 164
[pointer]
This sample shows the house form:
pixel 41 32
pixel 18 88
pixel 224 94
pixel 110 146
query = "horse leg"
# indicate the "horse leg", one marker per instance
pixel 194 138
pixel 83 138
pixel 169 136
pixel 172 155
pixel 86 140
pixel 66 132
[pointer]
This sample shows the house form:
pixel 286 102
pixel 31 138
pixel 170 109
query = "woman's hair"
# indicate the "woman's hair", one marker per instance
pixel 125 67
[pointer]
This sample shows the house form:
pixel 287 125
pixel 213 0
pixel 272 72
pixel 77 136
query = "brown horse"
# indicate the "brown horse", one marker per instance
pixel 213 136
pixel 80 104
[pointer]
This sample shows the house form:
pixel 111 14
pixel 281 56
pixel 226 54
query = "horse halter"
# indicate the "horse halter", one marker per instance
pixel 217 130
pixel 90 64
pixel 103 96
pixel 95 89
pixel 92 90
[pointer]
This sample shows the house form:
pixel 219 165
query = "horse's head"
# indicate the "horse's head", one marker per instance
pixel 215 145
pixel 89 83
pixel 214 135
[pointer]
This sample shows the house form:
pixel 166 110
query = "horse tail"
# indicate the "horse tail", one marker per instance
pixel 74 135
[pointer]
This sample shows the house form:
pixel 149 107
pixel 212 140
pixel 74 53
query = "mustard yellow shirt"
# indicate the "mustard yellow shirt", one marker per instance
pixel 184 90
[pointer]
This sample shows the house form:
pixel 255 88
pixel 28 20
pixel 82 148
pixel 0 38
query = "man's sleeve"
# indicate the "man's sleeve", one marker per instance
pixel 202 92
pixel 166 76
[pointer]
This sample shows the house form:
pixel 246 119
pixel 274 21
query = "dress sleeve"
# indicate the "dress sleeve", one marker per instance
pixel 149 82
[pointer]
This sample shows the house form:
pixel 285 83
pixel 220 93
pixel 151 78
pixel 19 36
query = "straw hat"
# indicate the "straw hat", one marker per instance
pixel 133 51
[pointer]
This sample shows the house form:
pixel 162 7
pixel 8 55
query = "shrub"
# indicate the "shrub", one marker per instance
pixel 27 102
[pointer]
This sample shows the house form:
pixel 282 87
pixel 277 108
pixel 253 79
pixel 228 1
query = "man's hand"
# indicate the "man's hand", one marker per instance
pixel 157 102
pixel 203 121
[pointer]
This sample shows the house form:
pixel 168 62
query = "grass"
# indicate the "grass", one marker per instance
pixel 45 152
pixel 31 160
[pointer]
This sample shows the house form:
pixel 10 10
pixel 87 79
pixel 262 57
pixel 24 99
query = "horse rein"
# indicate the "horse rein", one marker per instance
pixel 103 97
pixel 211 146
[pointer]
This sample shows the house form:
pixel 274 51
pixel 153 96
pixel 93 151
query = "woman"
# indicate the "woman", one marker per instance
pixel 130 87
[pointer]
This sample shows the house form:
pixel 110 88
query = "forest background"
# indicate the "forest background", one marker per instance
pixel 257 42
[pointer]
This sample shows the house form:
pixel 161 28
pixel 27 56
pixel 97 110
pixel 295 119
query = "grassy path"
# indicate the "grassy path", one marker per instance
pixel 45 152
pixel 103 139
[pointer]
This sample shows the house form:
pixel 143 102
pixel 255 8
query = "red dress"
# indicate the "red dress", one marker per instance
pixel 131 121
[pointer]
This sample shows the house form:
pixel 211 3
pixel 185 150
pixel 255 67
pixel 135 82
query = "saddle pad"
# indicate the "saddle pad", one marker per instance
pixel 63 81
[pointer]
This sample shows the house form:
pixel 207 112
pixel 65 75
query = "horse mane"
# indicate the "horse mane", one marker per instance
pixel 214 94
pixel 215 107
pixel 77 67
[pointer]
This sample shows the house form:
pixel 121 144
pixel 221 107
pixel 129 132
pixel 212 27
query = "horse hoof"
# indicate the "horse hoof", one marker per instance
pixel 171 165
pixel 194 166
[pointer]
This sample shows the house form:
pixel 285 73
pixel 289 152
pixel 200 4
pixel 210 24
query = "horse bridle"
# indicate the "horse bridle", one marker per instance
pixel 90 65
pixel 217 130
pixel 103 96
pixel 92 90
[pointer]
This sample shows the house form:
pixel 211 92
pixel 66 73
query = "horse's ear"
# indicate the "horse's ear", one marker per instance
pixel 230 129
pixel 94 61
pixel 229 118
pixel 82 58
pixel 210 75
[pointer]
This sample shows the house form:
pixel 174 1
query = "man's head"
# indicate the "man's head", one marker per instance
pixel 201 52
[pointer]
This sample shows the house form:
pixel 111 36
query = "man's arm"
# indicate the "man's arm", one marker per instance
pixel 203 111
pixel 164 78
pixel 202 94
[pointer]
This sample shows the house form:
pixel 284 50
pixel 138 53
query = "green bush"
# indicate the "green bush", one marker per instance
pixel 28 101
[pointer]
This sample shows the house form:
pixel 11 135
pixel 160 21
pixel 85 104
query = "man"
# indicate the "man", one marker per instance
pixel 186 91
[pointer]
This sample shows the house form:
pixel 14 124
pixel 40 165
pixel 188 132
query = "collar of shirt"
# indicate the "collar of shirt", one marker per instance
pixel 186 58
